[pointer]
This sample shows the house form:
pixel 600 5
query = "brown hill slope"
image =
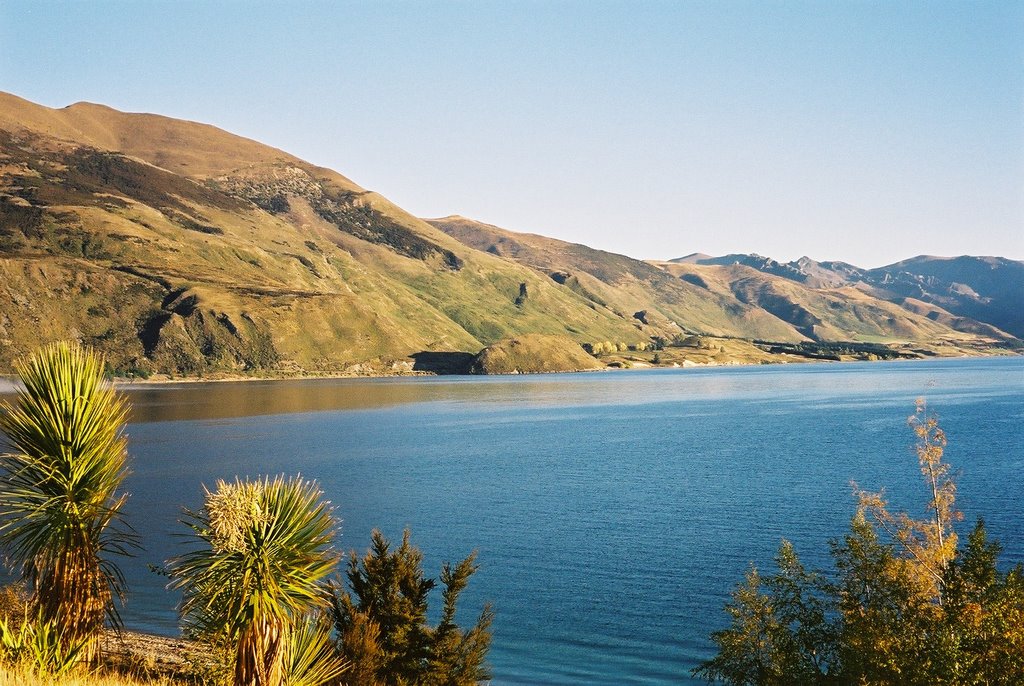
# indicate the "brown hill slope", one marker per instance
pixel 180 248
pixel 722 297
pixel 626 286
pixel 177 247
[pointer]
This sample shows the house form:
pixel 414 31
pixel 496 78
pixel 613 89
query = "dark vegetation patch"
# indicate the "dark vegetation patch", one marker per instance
pixel 362 221
pixel 56 233
pixel 16 222
pixel 833 351
pixel 275 204
pixel 523 296
pixel 346 210
pixel 305 262
pixel 135 271
pixel 149 330
pixel 92 171
pixel 187 222
pixel 128 238
pixel 83 244
pixel 18 216
pixel 695 280
pixel 571 282
pixel 85 177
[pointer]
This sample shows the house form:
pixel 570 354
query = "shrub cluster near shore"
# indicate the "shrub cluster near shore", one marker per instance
pixel 257 583
pixel 906 602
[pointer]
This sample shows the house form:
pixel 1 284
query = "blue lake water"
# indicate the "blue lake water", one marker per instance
pixel 612 512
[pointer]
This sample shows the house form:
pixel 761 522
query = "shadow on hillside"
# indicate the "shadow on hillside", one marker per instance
pixel 442 362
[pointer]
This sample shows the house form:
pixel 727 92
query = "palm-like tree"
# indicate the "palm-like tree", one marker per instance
pixel 265 548
pixel 60 509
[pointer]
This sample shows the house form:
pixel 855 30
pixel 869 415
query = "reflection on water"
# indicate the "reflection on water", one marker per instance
pixel 223 400
pixel 612 512
pixel 777 384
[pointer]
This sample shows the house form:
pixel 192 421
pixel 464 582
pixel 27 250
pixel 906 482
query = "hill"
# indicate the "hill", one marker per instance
pixel 970 293
pixel 742 296
pixel 179 248
pixel 533 354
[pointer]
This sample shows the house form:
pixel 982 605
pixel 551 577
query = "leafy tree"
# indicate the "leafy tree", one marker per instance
pixel 265 548
pixel 754 649
pixel 904 606
pixel 382 623
pixel 984 610
pixel 929 544
pixel 782 631
pixel 883 617
pixel 60 505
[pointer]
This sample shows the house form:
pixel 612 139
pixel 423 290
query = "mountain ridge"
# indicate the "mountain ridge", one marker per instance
pixel 179 248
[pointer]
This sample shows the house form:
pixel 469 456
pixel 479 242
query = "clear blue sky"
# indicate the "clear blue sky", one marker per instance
pixel 862 131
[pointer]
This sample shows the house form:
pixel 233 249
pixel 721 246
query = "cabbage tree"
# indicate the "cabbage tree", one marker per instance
pixel 264 548
pixel 60 490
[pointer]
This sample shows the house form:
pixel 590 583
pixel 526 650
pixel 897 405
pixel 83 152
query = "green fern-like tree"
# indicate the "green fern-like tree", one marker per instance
pixel 265 547
pixel 60 499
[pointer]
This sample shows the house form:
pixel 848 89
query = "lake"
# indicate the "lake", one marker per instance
pixel 612 512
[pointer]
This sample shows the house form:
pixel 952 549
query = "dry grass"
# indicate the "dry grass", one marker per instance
pixel 19 677
pixel 133 659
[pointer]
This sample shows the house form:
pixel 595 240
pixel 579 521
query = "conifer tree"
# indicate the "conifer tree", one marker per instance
pixel 382 623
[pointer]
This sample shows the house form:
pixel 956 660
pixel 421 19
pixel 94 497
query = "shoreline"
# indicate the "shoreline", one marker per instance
pixel 9 383
pixel 153 654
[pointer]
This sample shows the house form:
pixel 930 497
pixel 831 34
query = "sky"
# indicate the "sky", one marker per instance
pixel 861 131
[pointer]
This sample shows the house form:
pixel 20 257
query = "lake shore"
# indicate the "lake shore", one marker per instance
pixel 152 655
pixel 617 363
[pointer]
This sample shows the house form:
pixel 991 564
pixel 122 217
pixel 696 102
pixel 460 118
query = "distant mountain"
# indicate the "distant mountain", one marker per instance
pixel 973 289
pixel 747 296
pixel 987 289
pixel 179 248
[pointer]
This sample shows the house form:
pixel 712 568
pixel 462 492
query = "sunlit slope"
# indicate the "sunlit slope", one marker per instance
pixel 980 295
pixel 821 314
pixel 664 304
pixel 733 300
pixel 178 247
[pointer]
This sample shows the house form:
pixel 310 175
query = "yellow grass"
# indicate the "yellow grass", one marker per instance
pixel 20 677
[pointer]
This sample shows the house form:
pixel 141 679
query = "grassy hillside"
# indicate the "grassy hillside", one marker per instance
pixel 533 354
pixel 178 248
pixel 721 296
pixel 658 302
